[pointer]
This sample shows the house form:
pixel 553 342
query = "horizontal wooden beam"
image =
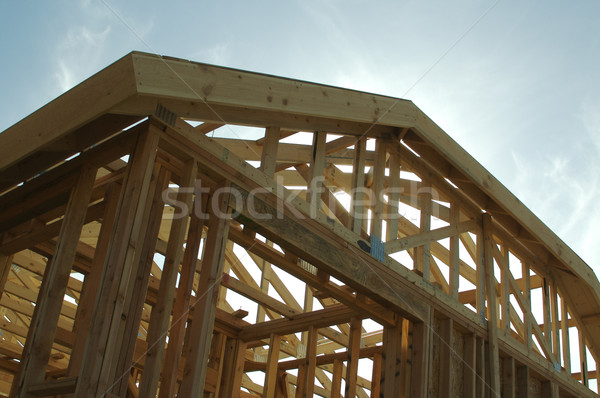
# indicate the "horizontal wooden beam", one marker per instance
pixel 65 385
pixel 409 242
pixel 258 296
pixel 332 315
pixel 324 359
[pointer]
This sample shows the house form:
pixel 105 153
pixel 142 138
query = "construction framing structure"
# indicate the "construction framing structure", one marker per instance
pixel 170 228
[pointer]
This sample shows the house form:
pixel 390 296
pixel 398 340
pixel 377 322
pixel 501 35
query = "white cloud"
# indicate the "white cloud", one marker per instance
pixel 218 54
pixel 104 33
pixel 80 50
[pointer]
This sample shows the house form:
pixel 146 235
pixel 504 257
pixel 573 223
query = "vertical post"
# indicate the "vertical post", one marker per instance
pixel 317 166
pixel 555 322
pixel 504 264
pixel 523 381
pixel 566 343
pixel 264 285
pixel 216 358
pixel 470 364
pixel 376 376
pixel 233 369
pixel 508 379
pixel 91 284
pixel 549 389
pixel 306 374
pixel 110 313
pixel 308 307
pixel 42 330
pixel 353 356
pixel 161 312
pixel 480 382
pixel 336 379
pixel 527 313
pixel 391 347
pixel 377 190
pixel 480 275
pixel 421 347
pixel 494 360
pixel 357 211
pixel 139 277
pixel 423 253
pixel 272 363
pixel 546 308
pixel 454 252
pixel 403 381
pixel 583 358
pixel 265 281
pixel 194 373
pixel 393 197
pixel 143 260
pixel 182 301
pixel 446 364
pixel 268 158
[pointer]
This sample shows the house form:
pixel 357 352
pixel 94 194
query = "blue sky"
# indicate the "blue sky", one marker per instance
pixel 518 88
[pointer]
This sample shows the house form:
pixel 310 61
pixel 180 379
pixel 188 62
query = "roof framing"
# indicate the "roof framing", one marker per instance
pixel 168 91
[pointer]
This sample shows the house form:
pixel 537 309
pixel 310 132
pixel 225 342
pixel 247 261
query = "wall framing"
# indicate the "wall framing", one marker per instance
pixel 449 287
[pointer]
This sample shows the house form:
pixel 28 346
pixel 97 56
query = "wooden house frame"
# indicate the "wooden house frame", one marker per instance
pixel 124 228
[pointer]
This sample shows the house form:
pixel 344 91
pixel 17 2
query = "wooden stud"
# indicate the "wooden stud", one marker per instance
pixel 546 311
pixel 265 276
pixel 308 307
pixel 353 357
pixel 268 159
pixel 527 315
pixel 566 343
pixel 403 379
pixel 306 375
pixel 454 265
pixel 393 193
pixel 377 200
pixel 357 194
pixel 96 374
pixel 317 165
pixel 376 376
pixel 204 308
pixel 583 362
pixel 490 287
pixel 391 342
pixel 421 341
pixel 143 258
pixel 181 305
pixel 423 253
pixel 509 378
pixel 480 366
pixel 336 380
pixel 446 363
pixel 233 368
pixel 92 280
pixel 555 323
pixel 480 284
pixel 470 366
pixel 505 285
pixel 549 389
pixel 523 389
pixel 161 311
pixel 40 338
pixel 272 362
